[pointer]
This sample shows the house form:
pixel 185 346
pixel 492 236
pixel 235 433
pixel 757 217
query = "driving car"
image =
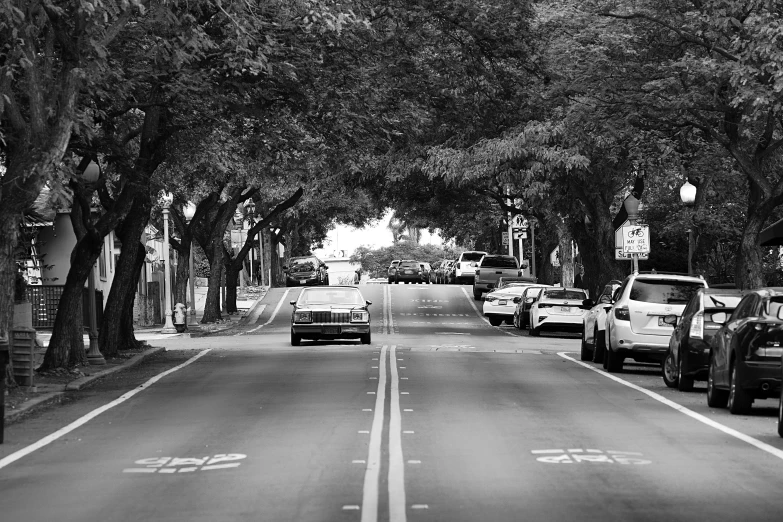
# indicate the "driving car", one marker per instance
pixel 635 326
pixel 526 300
pixel 409 271
pixel 330 312
pixel 594 323
pixel 392 270
pixel 557 309
pixel 490 269
pixel 688 357
pixel 499 304
pixel 465 267
pixel 306 271
pixel 745 352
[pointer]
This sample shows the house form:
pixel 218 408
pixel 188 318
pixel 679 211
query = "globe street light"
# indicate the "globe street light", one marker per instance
pixel 688 197
pixel 166 200
pixel 94 355
pixel 189 210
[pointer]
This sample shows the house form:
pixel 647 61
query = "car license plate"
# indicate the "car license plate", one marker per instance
pixel 331 330
pixel 565 308
pixel 503 303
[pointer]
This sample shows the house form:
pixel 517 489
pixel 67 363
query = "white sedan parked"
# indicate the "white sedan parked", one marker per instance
pixel 558 309
pixel 499 305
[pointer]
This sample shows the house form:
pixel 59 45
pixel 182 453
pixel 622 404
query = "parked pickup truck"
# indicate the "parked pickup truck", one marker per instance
pixel 490 269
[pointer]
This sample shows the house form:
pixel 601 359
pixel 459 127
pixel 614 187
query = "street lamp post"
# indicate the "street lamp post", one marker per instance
pixel 94 355
pixel 168 328
pixel 688 197
pixel 189 211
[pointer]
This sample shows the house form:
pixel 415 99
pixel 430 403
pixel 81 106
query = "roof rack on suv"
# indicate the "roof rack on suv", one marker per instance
pixel 657 272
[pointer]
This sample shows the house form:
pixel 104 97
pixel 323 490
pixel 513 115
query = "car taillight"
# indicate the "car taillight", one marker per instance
pixel 621 313
pixel 491 299
pixel 542 305
pixel 697 326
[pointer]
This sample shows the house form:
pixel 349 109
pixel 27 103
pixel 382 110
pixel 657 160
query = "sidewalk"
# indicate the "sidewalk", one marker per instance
pixel 50 389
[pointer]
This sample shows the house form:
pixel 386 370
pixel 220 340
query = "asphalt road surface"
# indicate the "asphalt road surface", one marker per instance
pixel 442 418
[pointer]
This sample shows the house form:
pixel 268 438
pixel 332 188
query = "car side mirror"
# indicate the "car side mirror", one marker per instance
pixel 719 317
pixel 368 303
pixel 670 320
pixel 292 303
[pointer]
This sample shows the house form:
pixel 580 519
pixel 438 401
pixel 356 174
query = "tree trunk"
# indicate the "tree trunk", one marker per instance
pixel 566 250
pixel 232 278
pixel 749 266
pixel 9 230
pixel 183 274
pixel 113 337
pixel 212 303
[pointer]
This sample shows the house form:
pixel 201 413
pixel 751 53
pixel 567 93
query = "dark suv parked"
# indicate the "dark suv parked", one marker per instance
pixel 306 271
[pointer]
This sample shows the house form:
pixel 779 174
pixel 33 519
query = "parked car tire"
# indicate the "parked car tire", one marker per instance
pixel 780 414
pixel 740 401
pixel 367 338
pixel 477 295
pixel 614 361
pixel 684 382
pixel 716 398
pixel 296 340
pixel 586 353
pixel 599 346
pixel 669 371
pixel 535 332
pixel 495 320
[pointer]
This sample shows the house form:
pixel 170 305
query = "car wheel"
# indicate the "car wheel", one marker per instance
pixel 586 353
pixel 669 371
pixel 366 338
pixel 716 398
pixel 390 281
pixel 494 320
pixel 296 340
pixel 535 332
pixel 684 382
pixel 780 414
pixel 477 295
pixel 614 361
pixel 740 401
pixel 599 348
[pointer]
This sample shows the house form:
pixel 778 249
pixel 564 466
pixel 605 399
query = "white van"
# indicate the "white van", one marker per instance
pixel 467 262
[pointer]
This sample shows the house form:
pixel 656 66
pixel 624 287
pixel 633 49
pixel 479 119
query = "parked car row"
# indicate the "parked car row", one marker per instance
pixel 732 339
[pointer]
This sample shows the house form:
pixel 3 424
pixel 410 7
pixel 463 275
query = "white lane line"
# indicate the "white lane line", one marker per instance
pixel 13 457
pixel 480 314
pixel 396 462
pixel 373 471
pixel 274 314
pixel 682 409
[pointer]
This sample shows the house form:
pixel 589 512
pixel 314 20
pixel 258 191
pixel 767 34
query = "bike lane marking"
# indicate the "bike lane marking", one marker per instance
pixel 372 473
pixel 682 409
pixel 13 457
pixel 274 314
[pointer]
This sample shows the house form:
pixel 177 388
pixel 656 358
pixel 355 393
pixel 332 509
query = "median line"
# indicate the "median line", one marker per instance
pixel 396 461
pixel 373 470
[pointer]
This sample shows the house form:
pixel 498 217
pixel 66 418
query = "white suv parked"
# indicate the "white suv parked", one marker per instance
pixel 465 272
pixel 635 327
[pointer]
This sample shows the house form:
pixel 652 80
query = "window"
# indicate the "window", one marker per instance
pixel 662 291
pixel 499 262
pixel 471 256
pixel 102 263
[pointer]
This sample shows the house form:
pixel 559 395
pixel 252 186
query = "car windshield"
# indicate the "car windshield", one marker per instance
pixel 513 283
pixel 499 262
pixel 663 291
pixel 329 296
pixel 301 265
pixel 472 256
pixel 721 301
pixel 561 293
pixel 410 265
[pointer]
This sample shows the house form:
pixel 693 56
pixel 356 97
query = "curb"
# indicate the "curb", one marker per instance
pixel 56 396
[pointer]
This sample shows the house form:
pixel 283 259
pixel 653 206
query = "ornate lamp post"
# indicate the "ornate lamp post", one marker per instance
pixel 166 200
pixel 94 356
pixel 688 197
pixel 189 211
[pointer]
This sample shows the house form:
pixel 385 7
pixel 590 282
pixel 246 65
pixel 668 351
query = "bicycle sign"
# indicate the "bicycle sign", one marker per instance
pixel 636 239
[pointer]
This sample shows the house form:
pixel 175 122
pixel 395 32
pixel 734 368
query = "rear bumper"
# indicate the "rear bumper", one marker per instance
pixel 621 337
pixel 762 378
pixel 496 309
pixel 560 322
